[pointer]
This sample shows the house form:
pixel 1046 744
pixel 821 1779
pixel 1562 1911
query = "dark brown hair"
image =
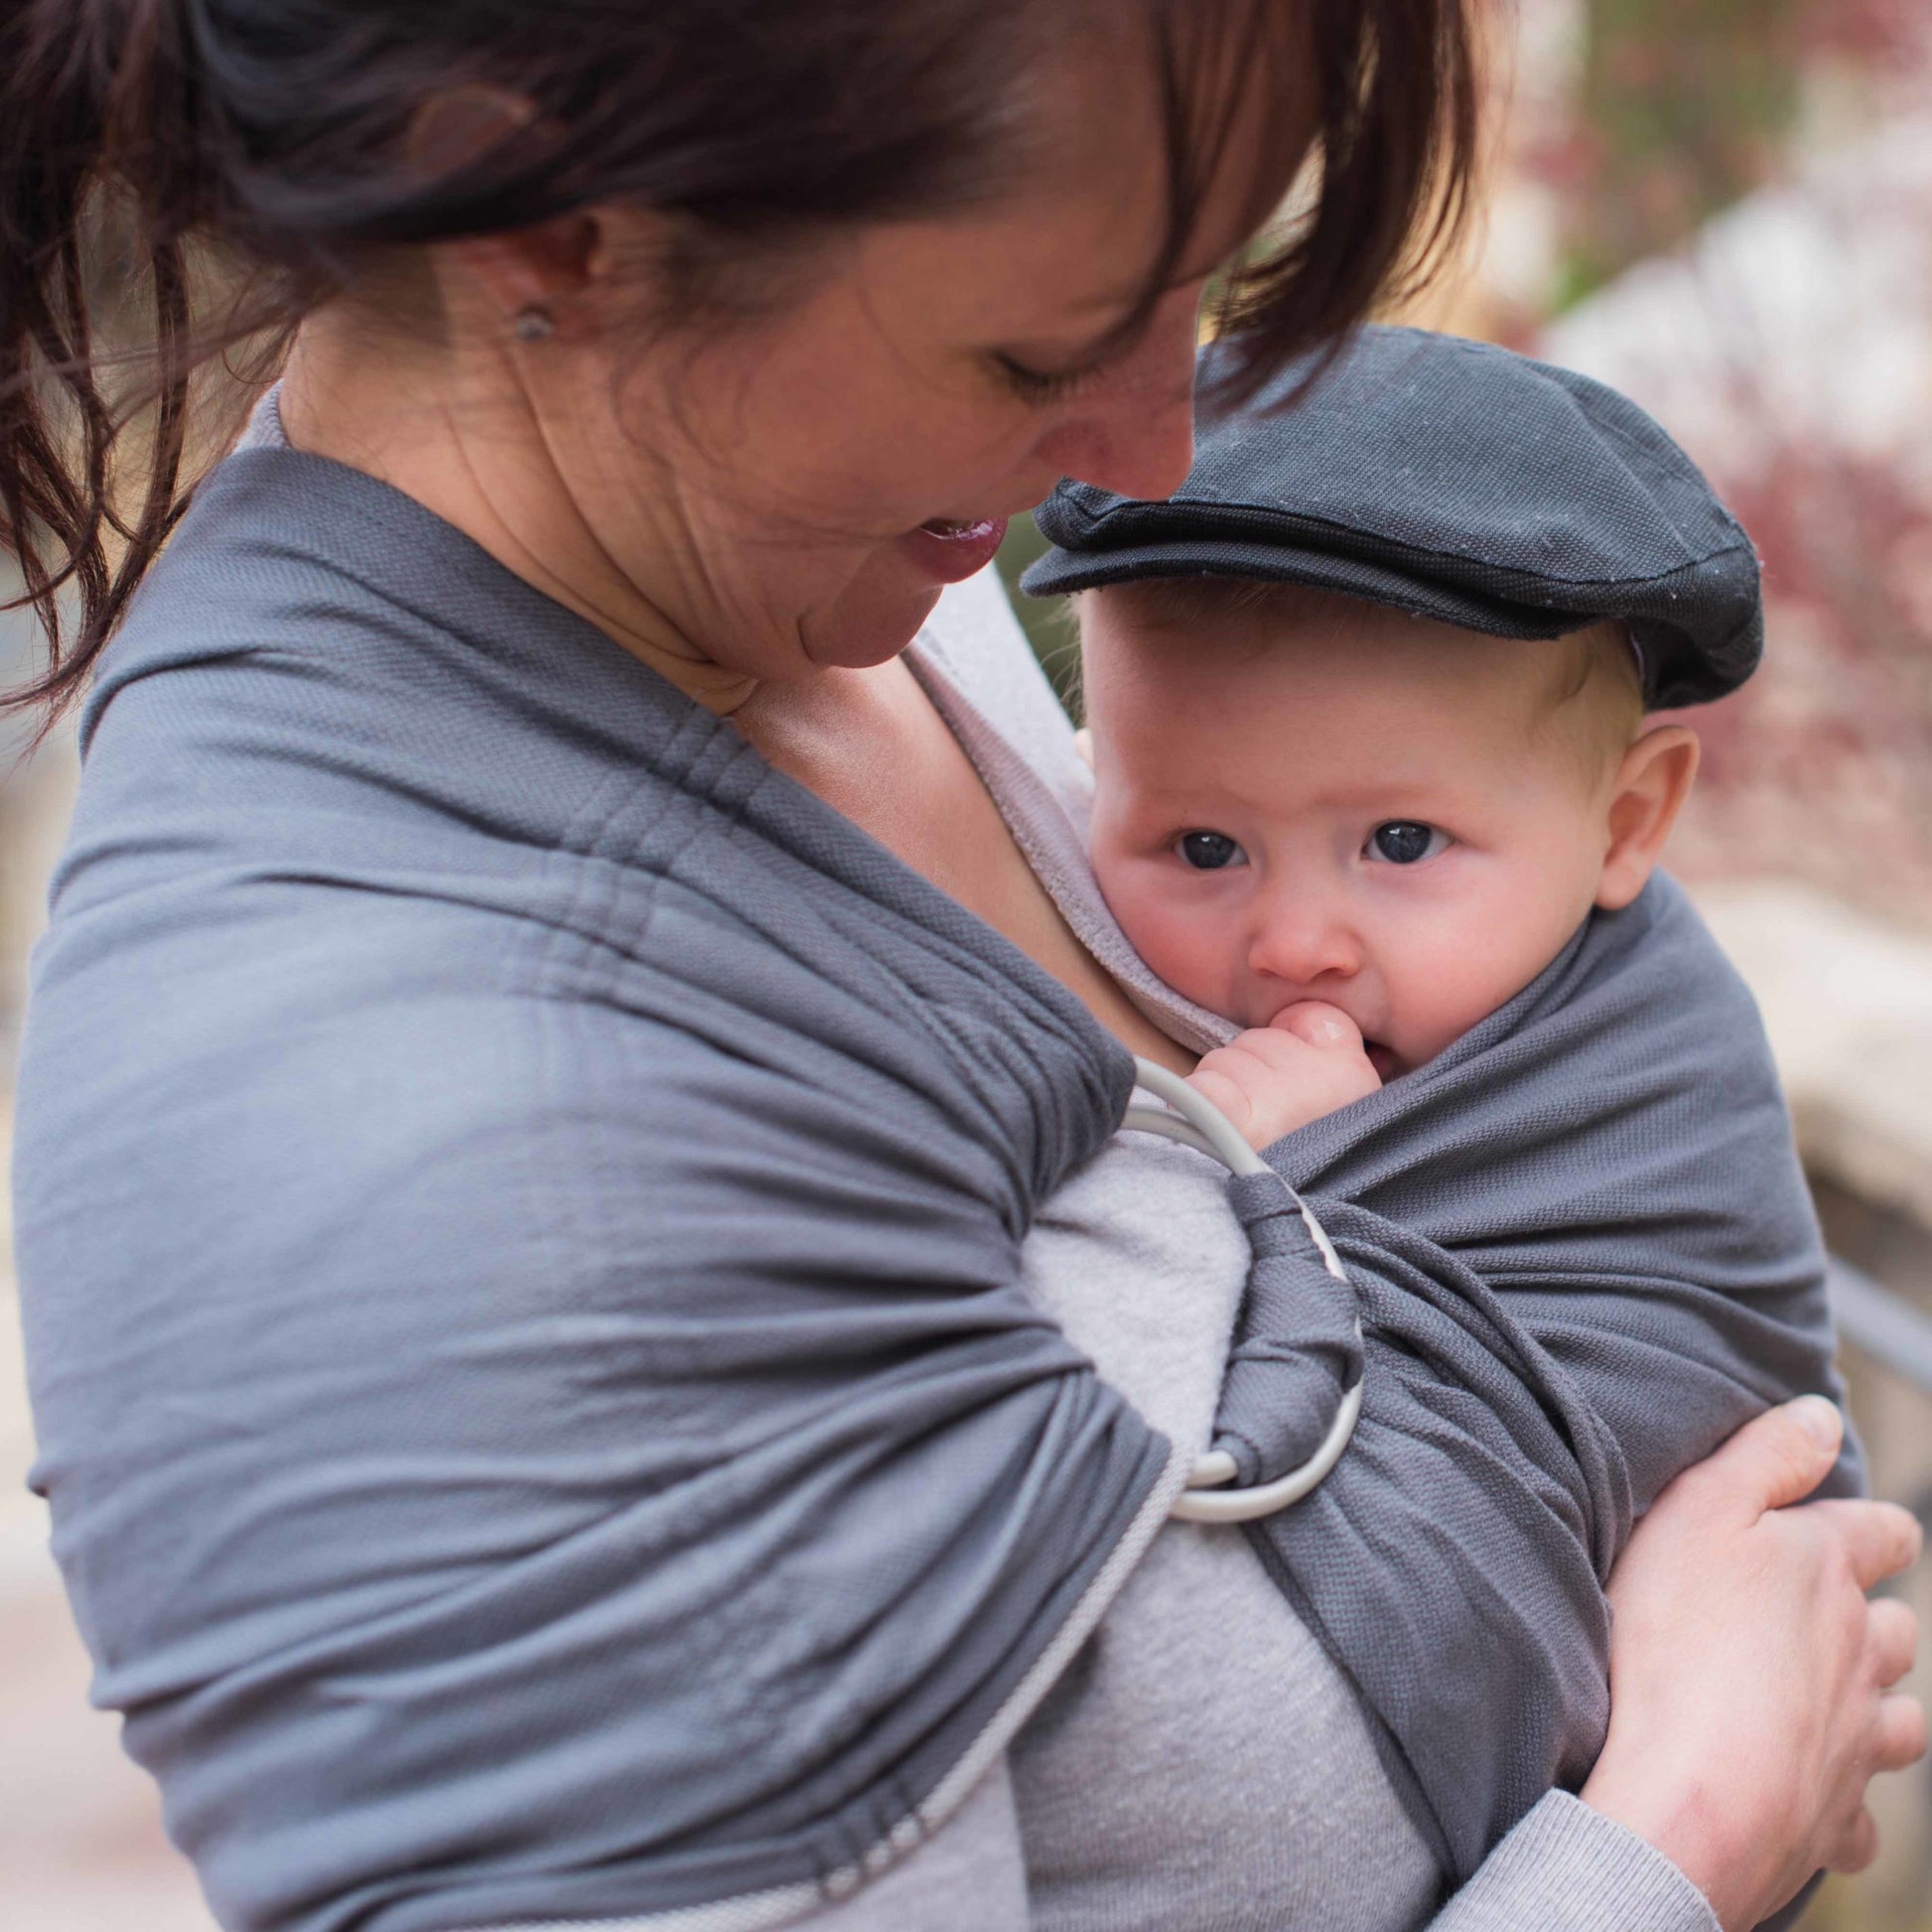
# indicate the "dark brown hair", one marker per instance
pixel 158 156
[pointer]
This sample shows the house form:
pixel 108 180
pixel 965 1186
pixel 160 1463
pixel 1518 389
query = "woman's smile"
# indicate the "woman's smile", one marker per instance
pixel 946 550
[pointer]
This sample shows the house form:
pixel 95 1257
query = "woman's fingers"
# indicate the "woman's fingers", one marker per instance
pixel 1900 1737
pixel 1893 1640
pixel 1778 1460
pixel 1880 1539
pixel 1748 1668
pixel 1858 1845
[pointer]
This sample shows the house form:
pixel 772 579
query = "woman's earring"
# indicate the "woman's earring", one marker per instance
pixel 535 324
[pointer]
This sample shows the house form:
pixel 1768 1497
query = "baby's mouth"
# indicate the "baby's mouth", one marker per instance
pixel 1383 1059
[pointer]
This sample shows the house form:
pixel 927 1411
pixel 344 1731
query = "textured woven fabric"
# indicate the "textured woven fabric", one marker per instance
pixel 1455 481
pixel 1584 1255
pixel 518 1218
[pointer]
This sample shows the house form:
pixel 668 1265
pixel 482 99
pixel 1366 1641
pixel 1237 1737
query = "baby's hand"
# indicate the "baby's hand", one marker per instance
pixel 1306 1062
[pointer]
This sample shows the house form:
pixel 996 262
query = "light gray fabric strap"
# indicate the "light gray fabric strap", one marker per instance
pixel 975 665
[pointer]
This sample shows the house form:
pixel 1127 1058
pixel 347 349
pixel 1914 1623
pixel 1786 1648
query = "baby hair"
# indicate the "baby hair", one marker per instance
pixel 1593 682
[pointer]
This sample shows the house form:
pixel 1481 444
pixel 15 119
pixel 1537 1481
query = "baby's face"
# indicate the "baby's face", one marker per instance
pixel 1391 815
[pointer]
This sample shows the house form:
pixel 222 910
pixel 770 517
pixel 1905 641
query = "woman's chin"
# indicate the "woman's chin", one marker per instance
pixel 874 621
pixel 892 593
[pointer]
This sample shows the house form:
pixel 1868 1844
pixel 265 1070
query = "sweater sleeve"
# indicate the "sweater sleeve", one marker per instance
pixel 1570 1868
pixel 1564 1868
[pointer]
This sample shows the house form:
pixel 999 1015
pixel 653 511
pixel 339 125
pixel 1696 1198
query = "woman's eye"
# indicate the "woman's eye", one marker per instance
pixel 1403 841
pixel 1048 385
pixel 1208 851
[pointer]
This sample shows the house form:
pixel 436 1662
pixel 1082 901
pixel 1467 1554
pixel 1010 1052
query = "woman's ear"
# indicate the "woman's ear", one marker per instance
pixel 570 270
pixel 525 271
pixel 1647 793
pixel 519 270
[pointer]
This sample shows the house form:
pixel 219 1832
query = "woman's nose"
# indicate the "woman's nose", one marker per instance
pixel 1134 432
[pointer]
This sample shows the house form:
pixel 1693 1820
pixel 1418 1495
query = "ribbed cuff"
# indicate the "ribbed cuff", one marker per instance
pixel 1569 1869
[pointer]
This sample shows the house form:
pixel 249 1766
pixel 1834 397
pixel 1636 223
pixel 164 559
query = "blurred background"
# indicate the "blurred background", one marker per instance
pixel 1725 209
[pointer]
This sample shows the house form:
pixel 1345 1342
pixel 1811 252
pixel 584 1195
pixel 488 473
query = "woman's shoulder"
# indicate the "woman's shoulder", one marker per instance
pixel 343 768
pixel 297 577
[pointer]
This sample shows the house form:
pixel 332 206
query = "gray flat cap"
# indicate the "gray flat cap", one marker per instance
pixel 1451 480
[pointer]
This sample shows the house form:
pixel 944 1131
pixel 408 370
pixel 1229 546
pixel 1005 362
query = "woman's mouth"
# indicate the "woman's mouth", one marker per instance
pixel 948 550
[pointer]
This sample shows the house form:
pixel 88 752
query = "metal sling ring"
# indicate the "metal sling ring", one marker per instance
pixel 1196 1122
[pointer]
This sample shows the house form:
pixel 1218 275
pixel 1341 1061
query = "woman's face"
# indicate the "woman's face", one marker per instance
pixel 794 489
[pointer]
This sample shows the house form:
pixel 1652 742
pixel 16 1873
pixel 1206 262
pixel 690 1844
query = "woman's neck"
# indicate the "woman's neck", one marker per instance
pixel 455 431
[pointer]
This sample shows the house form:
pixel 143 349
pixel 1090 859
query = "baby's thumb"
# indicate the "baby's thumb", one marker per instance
pixel 1780 1458
pixel 1320 1023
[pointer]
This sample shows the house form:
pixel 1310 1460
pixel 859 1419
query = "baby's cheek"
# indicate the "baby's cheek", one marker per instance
pixel 1186 946
pixel 1436 1008
pixel 1460 977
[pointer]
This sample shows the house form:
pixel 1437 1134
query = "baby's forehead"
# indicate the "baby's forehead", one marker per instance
pixel 1290 636
pixel 1306 690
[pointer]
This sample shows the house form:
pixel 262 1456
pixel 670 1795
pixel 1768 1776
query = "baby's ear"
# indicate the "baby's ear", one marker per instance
pixel 1083 744
pixel 1647 793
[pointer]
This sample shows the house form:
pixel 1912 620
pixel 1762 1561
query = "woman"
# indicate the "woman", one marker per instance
pixel 521 1204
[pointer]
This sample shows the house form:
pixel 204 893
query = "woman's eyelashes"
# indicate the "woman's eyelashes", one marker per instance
pixel 1042 387
pixel 1208 851
pixel 1403 842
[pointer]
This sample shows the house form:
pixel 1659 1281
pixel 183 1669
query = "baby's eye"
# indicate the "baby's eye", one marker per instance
pixel 1402 841
pixel 1208 851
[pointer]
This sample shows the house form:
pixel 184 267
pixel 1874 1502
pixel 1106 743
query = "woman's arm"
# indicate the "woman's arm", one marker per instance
pixel 1751 1679
pixel 1750 1705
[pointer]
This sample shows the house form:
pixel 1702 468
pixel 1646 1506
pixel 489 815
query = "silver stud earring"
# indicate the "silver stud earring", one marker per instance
pixel 535 324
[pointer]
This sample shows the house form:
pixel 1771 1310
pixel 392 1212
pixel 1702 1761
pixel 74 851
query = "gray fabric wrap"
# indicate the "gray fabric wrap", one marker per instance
pixel 519 1223
pixel 1583 1254
pixel 1295 1348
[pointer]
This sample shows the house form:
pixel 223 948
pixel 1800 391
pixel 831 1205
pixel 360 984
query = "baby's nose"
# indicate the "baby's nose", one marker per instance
pixel 1305 947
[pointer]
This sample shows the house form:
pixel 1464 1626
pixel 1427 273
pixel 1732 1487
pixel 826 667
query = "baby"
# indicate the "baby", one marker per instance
pixel 1376 798
pixel 1355 831
pixel 1366 703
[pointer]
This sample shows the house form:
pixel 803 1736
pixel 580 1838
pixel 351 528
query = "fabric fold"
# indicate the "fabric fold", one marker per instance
pixel 1583 1254
pixel 1296 1347
pixel 519 1214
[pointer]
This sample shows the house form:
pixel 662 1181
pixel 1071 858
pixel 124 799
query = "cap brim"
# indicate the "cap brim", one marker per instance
pixel 1062 571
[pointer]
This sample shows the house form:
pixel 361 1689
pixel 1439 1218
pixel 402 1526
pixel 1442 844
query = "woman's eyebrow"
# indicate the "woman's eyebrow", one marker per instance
pixel 1132 317
pixel 1135 305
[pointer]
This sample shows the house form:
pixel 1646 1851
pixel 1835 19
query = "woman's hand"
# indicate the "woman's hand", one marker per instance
pixel 1748 1673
